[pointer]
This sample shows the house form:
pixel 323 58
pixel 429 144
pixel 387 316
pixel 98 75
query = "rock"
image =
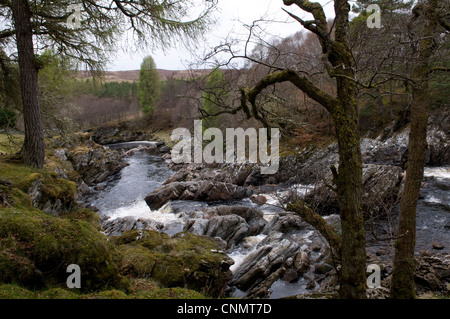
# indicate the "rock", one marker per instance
pixel 290 276
pixel 258 199
pixel 231 223
pixel 301 262
pixel 183 260
pixel 437 246
pixel 52 195
pixel 196 191
pixel 196 226
pixel 432 272
pixel 118 134
pixel 323 268
pixel 94 163
pixel 381 186
pixel 271 253
pixel 231 228
pixel 285 224
pixel 262 289
pixel 253 217
pixel 117 226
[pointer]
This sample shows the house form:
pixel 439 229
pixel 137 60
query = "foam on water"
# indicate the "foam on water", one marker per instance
pixel 140 209
pixel 247 246
pixel 438 172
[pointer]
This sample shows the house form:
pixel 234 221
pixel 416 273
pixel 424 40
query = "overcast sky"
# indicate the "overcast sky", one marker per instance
pixel 231 16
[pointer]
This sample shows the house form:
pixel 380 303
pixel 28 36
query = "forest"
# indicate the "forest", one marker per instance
pixel 358 208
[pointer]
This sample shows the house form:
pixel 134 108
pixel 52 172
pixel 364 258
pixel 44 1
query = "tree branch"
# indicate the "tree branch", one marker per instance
pixel 300 82
pixel 315 220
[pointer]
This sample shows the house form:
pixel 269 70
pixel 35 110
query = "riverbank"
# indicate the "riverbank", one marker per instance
pixel 275 253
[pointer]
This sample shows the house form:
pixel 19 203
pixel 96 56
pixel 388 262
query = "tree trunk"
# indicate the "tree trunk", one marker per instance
pixel 33 149
pixel 349 189
pixel 349 179
pixel 402 285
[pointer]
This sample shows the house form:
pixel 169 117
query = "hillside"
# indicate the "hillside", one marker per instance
pixel 133 75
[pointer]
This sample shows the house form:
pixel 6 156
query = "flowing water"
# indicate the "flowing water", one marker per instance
pixel 147 171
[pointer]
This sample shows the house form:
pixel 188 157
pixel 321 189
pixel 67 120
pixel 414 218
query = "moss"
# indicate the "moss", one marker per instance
pixel 57 293
pixel 15 292
pixel 137 261
pixel 108 294
pixel 10 144
pixel 174 293
pixel 50 187
pixel 37 248
pixel 185 260
pixel 83 214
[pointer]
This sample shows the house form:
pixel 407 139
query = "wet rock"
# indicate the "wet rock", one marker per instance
pixel 301 262
pixel 253 217
pixel 285 223
pixel 230 223
pixel 290 276
pixel 271 253
pixel 437 246
pixel 94 163
pixel 258 199
pixel 381 186
pixel 118 134
pixel 196 191
pixel 117 226
pixel 323 268
pixel 231 228
pixel 432 272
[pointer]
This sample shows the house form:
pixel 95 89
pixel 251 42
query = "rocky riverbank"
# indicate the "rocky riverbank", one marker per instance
pixel 287 248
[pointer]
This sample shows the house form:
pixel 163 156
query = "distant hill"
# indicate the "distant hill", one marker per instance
pixel 133 75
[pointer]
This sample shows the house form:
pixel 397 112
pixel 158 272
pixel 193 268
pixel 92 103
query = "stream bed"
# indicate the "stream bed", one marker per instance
pixel 146 171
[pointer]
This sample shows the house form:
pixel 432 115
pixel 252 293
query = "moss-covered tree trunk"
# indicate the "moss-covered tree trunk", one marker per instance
pixel 402 285
pixel 349 191
pixel 33 149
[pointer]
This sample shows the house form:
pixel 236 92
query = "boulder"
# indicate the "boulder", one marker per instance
pixel 117 226
pixel 270 255
pixel 253 217
pixel 231 228
pixel 95 163
pixel 196 191
pixel 285 223
pixel 381 186
pixel 183 260
pixel 230 223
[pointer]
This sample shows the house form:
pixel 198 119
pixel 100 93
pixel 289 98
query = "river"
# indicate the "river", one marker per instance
pixel 146 171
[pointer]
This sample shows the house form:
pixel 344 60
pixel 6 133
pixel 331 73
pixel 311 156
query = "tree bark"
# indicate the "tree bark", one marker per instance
pixel 33 149
pixel 402 285
pixel 349 191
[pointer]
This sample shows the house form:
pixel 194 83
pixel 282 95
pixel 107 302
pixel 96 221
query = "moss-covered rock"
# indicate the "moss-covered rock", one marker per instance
pixel 46 191
pixel 36 248
pixel 185 260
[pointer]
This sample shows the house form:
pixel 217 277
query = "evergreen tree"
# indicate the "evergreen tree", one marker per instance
pixel 86 33
pixel 149 85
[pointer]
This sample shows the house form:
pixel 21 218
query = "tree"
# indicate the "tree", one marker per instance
pixel 44 23
pixel 340 66
pixel 429 15
pixel 149 85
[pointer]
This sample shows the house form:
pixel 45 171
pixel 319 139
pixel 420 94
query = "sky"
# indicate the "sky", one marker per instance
pixel 231 16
